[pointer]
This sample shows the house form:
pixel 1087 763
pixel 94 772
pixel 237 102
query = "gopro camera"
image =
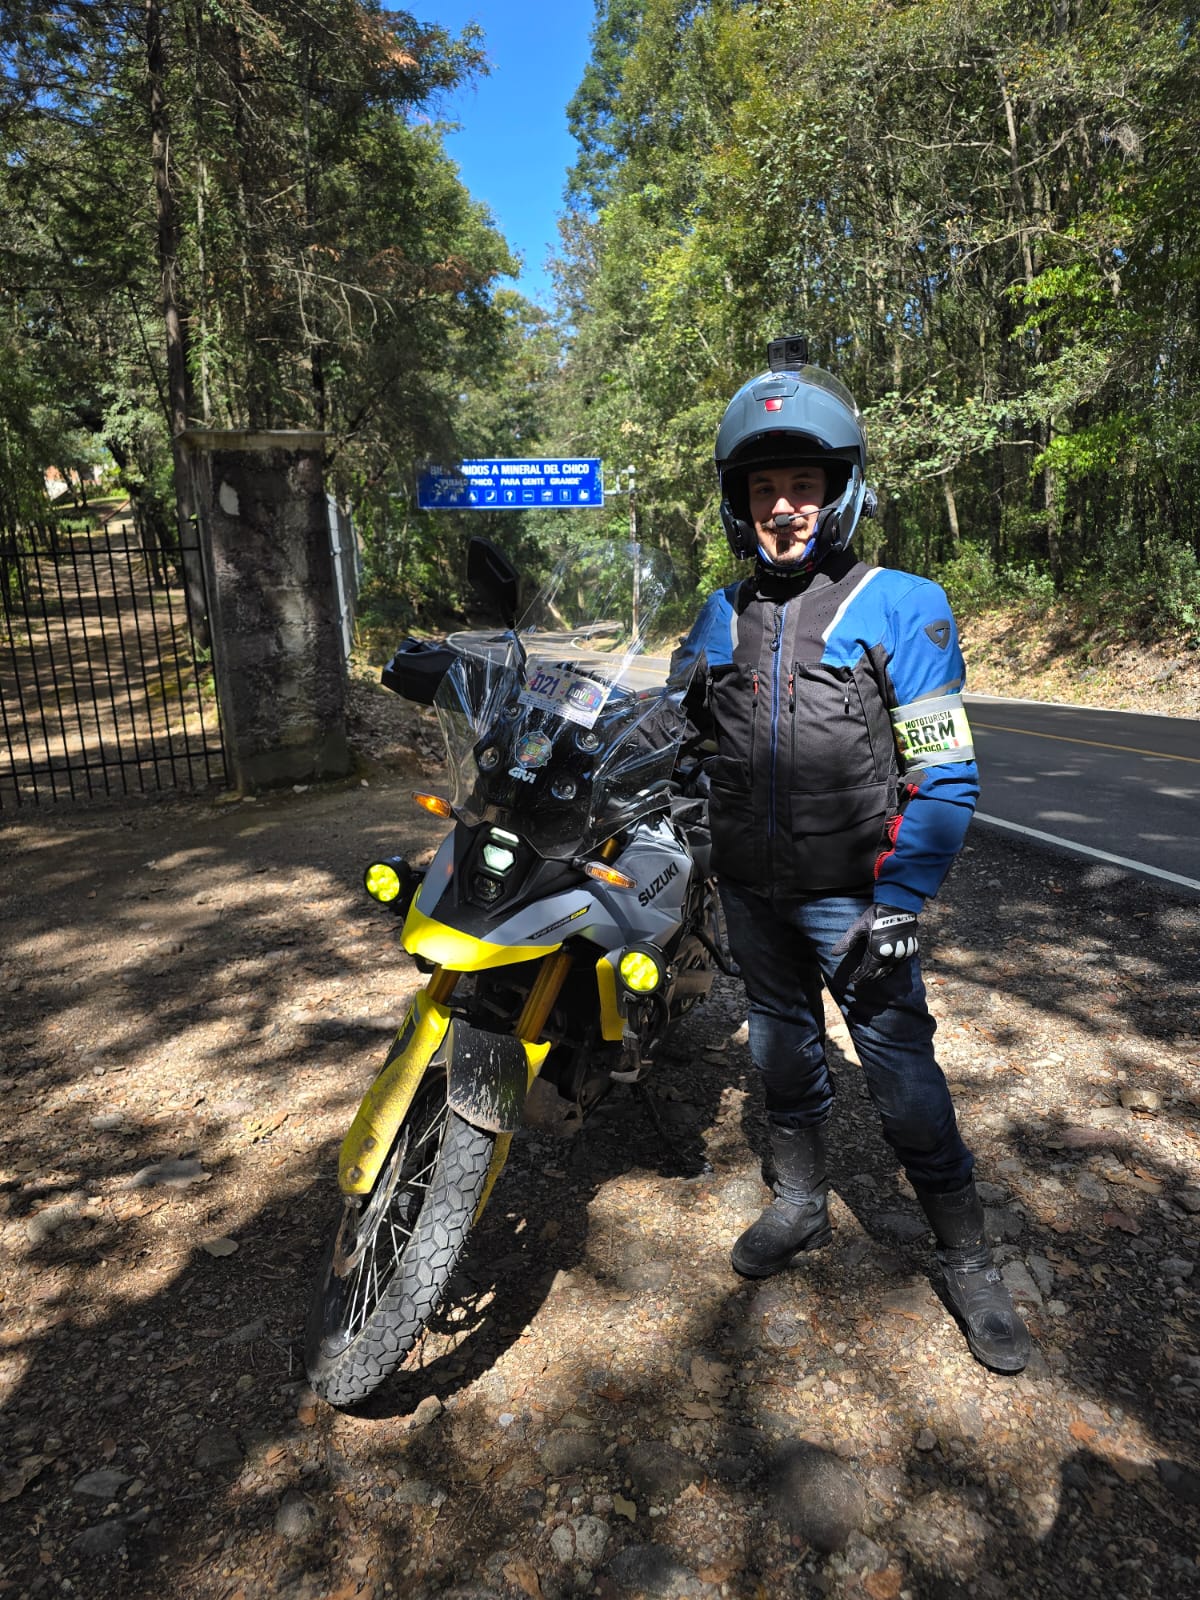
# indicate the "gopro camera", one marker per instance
pixel 788 354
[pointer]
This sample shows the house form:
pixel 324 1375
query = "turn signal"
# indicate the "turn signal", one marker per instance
pixel 641 970
pixel 603 874
pixel 434 804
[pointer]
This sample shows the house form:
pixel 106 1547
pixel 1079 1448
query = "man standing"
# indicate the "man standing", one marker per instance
pixel 842 787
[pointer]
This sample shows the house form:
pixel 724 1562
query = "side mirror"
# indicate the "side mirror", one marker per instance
pixel 491 572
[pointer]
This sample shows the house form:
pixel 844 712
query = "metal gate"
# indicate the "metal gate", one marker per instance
pixel 103 689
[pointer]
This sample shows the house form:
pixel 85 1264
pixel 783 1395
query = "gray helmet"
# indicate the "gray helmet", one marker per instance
pixel 800 414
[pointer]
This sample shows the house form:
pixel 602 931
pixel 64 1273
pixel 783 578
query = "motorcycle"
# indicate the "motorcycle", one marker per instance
pixel 566 922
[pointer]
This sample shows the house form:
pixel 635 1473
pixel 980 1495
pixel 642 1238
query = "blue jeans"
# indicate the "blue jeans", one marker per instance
pixel 784 946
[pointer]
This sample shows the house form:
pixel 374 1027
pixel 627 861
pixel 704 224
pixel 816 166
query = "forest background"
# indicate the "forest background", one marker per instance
pixel 240 213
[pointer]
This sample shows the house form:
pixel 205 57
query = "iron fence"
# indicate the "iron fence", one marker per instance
pixel 106 687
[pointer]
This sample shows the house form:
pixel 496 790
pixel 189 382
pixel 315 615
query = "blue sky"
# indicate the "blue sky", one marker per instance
pixel 513 149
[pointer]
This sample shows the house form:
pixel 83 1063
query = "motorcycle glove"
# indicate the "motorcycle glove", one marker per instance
pixel 890 940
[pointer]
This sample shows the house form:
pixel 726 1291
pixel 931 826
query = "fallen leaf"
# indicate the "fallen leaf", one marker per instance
pixel 15 1480
pixel 885 1585
pixel 261 1127
pixel 719 1571
pixel 350 1590
pixel 219 1247
pixel 1067 1269
pixel 624 1508
pixel 1120 1219
pixel 711 1377
pixel 699 1410
pixel 522 1572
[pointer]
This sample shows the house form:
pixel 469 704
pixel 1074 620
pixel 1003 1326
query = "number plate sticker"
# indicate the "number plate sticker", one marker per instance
pixel 569 695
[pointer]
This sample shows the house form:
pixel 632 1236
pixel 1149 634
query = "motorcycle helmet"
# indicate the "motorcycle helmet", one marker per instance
pixel 793 414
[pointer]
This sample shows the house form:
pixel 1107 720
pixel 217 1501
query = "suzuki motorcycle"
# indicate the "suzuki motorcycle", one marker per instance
pixel 566 921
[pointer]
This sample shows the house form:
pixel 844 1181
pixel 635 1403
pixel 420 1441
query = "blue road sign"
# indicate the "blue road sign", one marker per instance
pixel 508 485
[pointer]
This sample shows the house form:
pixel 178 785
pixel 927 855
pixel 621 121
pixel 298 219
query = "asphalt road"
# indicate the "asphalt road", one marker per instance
pixel 1119 786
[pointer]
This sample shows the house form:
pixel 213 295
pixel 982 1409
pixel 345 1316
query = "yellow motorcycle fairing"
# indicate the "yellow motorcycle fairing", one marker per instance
pixel 386 1102
pixel 462 952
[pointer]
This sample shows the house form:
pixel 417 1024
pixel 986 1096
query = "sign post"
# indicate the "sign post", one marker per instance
pixel 509 485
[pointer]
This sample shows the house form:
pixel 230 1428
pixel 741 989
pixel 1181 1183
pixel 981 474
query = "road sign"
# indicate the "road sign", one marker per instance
pixel 509 485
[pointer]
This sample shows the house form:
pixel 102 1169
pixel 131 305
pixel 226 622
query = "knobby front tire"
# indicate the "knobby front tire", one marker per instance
pixel 363 1323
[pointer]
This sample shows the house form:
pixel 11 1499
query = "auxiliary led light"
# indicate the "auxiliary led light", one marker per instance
pixel 382 882
pixel 641 973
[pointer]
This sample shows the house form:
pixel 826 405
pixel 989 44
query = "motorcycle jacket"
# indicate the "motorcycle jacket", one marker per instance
pixel 844 758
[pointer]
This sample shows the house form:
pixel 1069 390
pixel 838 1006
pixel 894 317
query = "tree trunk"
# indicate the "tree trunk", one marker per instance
pixel 178 380
pixel 951 510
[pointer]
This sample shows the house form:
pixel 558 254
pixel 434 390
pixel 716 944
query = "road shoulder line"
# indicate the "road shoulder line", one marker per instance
pixel 1087 850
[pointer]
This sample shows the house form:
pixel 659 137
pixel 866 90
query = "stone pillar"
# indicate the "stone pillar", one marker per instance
pixel 277 649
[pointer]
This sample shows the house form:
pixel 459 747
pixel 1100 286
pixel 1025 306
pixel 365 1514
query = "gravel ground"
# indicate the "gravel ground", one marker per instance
pixel 194 996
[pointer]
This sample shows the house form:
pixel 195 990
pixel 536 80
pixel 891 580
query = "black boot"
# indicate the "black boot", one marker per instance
pixel 995 1332
pixel 798 1217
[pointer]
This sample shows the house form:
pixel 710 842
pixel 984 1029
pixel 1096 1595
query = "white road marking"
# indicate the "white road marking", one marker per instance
pixel 1087 850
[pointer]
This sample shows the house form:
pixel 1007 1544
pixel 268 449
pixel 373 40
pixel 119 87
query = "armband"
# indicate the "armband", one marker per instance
pixel 931 732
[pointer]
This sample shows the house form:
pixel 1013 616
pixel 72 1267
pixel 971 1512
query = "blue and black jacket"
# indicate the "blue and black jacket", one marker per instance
pixel 844 758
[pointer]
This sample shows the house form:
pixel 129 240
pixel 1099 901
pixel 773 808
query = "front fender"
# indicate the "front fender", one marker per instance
pixel 488 1075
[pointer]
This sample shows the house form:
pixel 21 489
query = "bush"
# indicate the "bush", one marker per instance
pixel 970 580
pixel 1169 585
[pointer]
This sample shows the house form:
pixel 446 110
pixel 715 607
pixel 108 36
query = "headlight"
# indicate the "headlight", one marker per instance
pixel 498 857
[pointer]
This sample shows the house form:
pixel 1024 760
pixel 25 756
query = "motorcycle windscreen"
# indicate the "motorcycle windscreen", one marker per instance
pixel 568 728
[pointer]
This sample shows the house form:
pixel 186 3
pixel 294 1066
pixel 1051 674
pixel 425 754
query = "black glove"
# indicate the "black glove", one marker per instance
pixel 891 939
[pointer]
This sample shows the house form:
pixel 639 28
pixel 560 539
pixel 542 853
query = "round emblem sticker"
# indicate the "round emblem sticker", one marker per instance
pixel 533 750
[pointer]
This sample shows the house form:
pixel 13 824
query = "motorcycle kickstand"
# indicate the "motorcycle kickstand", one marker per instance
pixel 680 1157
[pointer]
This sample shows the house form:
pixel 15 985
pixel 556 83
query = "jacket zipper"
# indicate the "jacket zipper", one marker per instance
pixel 753 716
pixel 780 614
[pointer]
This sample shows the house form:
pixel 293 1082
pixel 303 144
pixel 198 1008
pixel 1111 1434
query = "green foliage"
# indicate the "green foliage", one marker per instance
pixel 271 174
pixel 973 583
pixel 982 216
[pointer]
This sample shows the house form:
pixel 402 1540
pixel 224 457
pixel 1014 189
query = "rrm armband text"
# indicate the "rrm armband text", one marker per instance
pixel 931 732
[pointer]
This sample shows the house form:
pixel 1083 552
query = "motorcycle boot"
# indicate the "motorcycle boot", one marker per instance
pixel 798 1217
pixel 995 1332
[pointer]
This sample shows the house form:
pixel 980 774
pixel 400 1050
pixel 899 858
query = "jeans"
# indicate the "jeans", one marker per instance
pixel 784 946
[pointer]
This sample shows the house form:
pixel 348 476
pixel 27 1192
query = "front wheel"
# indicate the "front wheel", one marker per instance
pixel 387 1266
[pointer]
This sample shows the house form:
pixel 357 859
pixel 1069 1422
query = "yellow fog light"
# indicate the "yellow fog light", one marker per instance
pixel 382 882
pixel 641 971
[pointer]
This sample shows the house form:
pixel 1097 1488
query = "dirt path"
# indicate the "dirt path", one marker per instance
pixel 193 997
